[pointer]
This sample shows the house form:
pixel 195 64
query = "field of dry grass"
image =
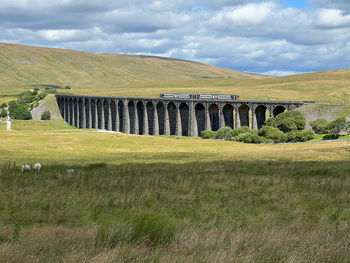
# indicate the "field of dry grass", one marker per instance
pixel 169 199
pixel 24 65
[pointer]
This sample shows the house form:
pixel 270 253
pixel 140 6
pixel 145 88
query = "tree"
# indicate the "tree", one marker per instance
pixel 319 126
pixel 240 130
pixel 21 113
pixel 46 115
pixel 208 134
pixel 3 106
pixel 340 125
pixel 13 105
pixel 287 121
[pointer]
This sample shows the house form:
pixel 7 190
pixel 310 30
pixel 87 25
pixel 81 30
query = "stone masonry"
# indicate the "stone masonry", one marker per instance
pixel 157 116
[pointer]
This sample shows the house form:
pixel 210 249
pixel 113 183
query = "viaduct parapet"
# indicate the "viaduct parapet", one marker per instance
pixel 157 116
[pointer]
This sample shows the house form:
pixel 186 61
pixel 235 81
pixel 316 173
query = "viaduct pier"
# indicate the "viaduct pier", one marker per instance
pixel 157 116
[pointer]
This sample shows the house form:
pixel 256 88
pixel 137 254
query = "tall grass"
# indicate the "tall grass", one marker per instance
pixel 147 228
pixel 268 211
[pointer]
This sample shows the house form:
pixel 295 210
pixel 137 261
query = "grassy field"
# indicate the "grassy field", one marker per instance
pixel 169 199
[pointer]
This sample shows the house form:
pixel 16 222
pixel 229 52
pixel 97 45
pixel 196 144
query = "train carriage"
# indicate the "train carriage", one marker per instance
pixel 198 96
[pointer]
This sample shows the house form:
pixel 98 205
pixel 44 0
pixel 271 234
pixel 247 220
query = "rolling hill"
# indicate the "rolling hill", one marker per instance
pixel 26 65
pixel 22 67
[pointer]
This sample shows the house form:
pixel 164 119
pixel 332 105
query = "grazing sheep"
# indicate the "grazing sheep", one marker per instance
pixel 37 166
pixel 25 167
pixel 70 171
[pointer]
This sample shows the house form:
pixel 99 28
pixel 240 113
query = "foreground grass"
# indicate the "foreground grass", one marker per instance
pixel 168 199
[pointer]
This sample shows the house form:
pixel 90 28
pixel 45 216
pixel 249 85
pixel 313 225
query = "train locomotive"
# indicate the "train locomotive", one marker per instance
pixel 198 96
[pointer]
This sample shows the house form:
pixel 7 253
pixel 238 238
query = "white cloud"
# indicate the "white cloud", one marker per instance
pixel 249 14
pixel 247 35
pixel 60 35
pixel 290 55
pixel 333 18
pixel 242 16
pixel 280 73
pixel 343 5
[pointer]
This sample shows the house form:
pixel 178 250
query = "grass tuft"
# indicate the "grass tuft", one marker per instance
pixel 154 229
pixel 146 228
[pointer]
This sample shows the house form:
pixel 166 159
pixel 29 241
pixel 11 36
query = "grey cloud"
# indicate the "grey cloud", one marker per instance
pixel 255 36
pixel 219 4
pixel 142 21
pixel 338 4
pixel 267 20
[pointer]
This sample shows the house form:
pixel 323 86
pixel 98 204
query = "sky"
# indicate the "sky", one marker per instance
pixel 275 37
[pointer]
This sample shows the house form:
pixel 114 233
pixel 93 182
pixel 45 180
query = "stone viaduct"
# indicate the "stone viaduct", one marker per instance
pixel 157 116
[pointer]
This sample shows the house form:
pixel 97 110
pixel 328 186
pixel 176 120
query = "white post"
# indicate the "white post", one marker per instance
pixel 8 124
pixel 8 121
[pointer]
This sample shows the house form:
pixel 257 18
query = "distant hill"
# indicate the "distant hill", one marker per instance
pixel 26 65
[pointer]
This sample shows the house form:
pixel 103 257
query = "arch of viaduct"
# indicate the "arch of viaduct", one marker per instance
pixel 156 116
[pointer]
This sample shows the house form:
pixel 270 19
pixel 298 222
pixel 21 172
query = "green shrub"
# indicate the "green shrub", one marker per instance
pixel 46 115
pixel 273 134
pixel 319 126
pixel 27 98
pixel 300 136
pixel 67 87
pixel 21 113
pixel 249 137
pixel 208 134
pixel 340 125
pixel 330 137
pixel 3 106
pixel 238 131
pixel 287 121
pixel 224 133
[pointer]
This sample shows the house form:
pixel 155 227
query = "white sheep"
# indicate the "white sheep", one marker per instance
pixel 37 167
pixel 25 167
pixel 70 171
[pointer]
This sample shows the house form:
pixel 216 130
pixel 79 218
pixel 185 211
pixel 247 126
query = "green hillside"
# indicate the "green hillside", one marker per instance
pixel 25 65
pixel 22 67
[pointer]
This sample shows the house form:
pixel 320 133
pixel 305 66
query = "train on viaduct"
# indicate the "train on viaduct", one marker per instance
pixel 168 116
